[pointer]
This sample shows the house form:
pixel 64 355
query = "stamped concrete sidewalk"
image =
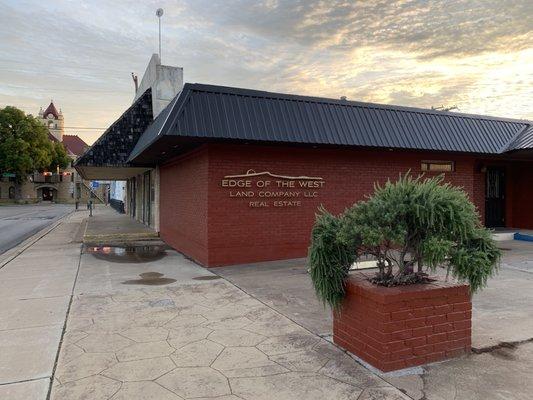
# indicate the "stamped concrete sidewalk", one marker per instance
pixel 132 336
pixel 146 323
pixel 35 291
pixel 502 336
pixel 106 225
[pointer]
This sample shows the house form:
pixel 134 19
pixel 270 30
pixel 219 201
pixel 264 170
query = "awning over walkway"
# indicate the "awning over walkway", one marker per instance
pixel 107 158
pixel 109 173
pixel 108 226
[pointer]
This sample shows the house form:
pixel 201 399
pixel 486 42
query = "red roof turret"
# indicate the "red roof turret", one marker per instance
pixel 51 109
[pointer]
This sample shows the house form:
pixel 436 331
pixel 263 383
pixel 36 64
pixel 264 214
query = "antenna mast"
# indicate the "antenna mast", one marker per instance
pixel 159 14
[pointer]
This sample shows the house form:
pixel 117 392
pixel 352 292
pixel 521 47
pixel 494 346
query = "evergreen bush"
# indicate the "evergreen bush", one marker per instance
pixel 410 227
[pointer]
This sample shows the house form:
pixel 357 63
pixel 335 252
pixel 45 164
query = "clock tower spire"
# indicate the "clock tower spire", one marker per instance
pixel 53 120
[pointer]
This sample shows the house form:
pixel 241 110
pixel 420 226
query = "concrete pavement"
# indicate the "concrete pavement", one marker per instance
pixel 130 335
pixel 35 292
pixel 284 286
pixel 502 327
pixel 19 222
pixel 108 226
pixel 503 312
pixel 147 323
pixel 500 374
pixel 502 337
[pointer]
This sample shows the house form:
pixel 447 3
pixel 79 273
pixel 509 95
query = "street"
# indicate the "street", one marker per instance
pixel 19 222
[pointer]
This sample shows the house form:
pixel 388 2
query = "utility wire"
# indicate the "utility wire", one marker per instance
pixel 43 89
pixel 81 127
pixel 40 65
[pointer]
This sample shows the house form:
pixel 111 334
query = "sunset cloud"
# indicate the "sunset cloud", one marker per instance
pixel 473 54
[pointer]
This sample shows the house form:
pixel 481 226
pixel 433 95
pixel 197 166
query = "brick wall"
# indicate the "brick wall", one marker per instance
pixel 183 215
pixel 396 328
pixel 239 233
pixel 199 218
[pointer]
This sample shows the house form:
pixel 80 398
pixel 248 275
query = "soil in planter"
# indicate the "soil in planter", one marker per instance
pixel 401 280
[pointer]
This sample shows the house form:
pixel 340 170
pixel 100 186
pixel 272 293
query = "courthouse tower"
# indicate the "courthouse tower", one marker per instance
pixel 53 120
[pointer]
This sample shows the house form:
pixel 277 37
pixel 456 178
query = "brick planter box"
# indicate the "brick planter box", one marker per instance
pixel 404 326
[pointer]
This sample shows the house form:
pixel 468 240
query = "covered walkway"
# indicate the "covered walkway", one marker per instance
pixel 106 225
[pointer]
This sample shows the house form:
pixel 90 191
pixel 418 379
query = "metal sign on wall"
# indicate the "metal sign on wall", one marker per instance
pixel 265 189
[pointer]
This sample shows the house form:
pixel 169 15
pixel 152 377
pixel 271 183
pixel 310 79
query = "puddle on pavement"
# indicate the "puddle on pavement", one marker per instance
pixel 128 254
pixel 150 279
pixel 162 303
pixel 506 354
pixel 206 278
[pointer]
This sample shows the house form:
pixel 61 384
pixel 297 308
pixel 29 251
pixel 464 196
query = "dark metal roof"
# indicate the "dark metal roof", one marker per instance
pixel 216 112
pixel 523 141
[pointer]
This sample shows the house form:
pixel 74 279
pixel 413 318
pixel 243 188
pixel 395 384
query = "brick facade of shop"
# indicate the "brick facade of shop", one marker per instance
pixel 201 219
pixel 184 205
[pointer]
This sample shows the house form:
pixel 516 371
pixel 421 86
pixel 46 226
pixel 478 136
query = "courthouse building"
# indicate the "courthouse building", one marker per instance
pixel 59 186
pixel 229 175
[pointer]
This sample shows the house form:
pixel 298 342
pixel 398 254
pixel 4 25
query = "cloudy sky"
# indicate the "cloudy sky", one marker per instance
pixel 476 54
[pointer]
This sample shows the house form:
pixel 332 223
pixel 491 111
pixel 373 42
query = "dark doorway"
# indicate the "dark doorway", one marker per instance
pixel 133 196
pixel 47 194
pixel 495 198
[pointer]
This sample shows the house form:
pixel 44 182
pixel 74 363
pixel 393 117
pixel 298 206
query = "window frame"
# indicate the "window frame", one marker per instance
pixel 426 166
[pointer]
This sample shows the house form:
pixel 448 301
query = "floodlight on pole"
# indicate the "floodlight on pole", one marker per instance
pixel 159 14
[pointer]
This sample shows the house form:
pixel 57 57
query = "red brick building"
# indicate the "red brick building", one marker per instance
pixel 241 173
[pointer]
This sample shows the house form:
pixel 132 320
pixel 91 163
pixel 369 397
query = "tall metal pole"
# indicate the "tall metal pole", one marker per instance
pixel 75 190
pixel 159 14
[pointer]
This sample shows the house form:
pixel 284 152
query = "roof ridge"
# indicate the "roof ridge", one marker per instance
pixel 510 146
pixel 353 103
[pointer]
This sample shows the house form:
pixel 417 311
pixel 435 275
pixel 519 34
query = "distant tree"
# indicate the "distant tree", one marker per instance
pixel 59 156
pixel 25 146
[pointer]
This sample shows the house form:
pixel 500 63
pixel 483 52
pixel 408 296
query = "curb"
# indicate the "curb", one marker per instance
pixel 91 238
pixel 16 251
